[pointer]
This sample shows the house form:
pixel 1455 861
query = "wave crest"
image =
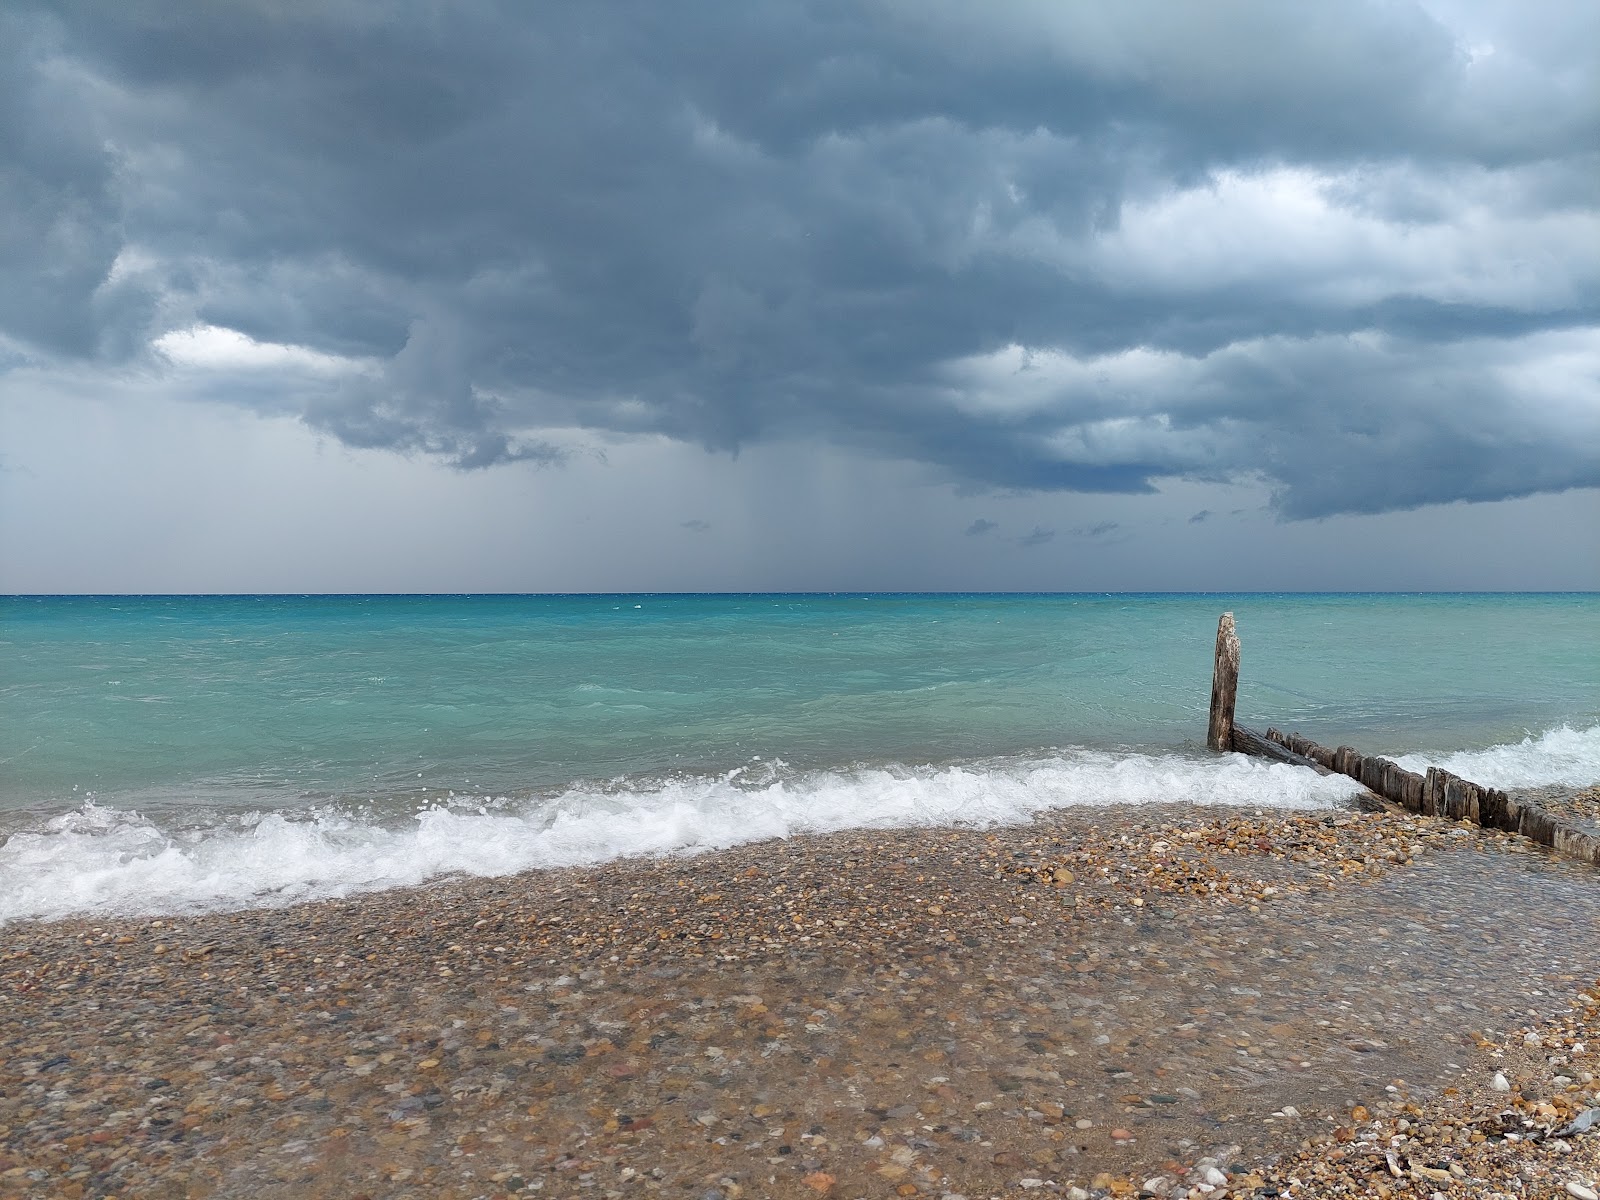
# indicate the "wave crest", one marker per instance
pixel 1562 756
pixel 105 861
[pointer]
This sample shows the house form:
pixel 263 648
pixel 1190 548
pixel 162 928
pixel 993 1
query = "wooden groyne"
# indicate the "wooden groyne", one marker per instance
pixel 1437 793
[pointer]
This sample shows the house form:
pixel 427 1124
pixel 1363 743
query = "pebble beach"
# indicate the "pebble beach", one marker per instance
pixel 1168 1001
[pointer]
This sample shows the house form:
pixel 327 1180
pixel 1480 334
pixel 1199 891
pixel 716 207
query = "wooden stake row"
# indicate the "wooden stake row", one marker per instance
pixel 1436 794
pixel 1441 794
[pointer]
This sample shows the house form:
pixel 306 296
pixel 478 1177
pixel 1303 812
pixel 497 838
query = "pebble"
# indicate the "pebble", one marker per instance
pixel 799 1018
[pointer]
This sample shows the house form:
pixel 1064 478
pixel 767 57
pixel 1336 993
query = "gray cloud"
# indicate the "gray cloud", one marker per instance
pixel 696 526
pixel 1038 537
pixel 1205 514
pixel 1351 252
pixel 1100 529
pixel 981 526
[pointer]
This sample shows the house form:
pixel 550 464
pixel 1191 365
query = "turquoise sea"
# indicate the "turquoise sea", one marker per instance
pixel 169 753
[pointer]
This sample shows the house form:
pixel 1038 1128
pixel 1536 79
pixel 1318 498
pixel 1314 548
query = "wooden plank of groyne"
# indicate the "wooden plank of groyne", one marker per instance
pixel 1304 746
pixel 1307 752
pixel 1413 799
pixel 1575 843
pixel 1538 825
pixel 1510 815
pixel 1454 798
pixel 1224 686
pixel 1407 788
pixel 1492 814
pixel 1248 741
pixel 1388 782
pixel 1372 773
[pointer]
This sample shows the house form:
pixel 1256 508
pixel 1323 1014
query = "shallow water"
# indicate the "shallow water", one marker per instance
pixel 421 1024
pixel 168 753
pixel 1323 1001
pixel 1189 1025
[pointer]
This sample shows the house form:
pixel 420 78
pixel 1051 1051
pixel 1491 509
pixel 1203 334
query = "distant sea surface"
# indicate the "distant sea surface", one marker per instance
pixel 162 754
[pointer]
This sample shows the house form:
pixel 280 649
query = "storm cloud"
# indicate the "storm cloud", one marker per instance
pixel 1350 251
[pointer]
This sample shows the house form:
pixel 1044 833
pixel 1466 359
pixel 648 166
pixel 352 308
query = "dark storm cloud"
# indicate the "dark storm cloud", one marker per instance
pixel 1348 249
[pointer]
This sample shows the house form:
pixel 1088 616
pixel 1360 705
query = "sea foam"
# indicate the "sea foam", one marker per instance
pixel 1562 756
pixel 99 860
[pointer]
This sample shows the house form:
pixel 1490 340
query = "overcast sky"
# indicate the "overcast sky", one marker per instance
pixel 892 294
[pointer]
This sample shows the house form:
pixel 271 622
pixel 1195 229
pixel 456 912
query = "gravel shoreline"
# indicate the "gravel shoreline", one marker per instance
pixel 1171 1001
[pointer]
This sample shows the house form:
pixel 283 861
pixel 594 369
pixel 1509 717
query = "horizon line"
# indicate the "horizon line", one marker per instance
pixel 402 595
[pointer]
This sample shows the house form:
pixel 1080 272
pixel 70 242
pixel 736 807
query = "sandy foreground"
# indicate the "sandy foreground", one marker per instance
pixel 1165 1002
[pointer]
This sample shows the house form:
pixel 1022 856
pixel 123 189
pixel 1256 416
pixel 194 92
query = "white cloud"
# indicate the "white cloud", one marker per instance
pixel 216 348
pixel 1152 440
pixel 1018 381
pixel 1291 230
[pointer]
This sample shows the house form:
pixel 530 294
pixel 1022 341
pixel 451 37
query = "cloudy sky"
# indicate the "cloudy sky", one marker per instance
pixel 895 294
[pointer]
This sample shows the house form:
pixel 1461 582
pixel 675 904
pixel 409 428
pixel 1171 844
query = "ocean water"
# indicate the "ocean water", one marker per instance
pixel 163 754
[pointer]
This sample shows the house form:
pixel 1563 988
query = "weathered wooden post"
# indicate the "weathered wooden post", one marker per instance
pixel 1224 685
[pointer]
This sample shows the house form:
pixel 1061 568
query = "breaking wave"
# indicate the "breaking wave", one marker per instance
pixel 101 860
pixel 1562 756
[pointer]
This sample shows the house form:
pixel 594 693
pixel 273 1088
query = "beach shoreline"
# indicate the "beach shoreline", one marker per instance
pixel 1100 1000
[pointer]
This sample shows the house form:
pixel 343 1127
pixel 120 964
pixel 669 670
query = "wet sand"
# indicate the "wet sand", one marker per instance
pixel 1177 1001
